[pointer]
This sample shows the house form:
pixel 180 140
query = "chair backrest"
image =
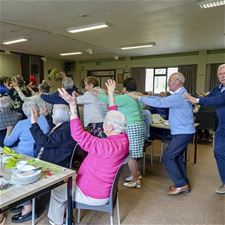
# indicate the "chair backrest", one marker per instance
pixel 114 190
pixel 72 159
pixel 207 120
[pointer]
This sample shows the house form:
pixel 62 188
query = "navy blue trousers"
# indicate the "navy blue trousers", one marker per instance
pixel 173 158
pixel 219 153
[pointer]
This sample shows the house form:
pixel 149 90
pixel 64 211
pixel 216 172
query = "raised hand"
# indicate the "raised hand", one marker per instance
pixel 111 86
pixel 71 99
pixel 34 116
pixel 45 110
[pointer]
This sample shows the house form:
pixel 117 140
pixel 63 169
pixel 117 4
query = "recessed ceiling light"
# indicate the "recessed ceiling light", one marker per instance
pixel 89 51
pixel 70 53
pixel 147 45
pixel 93 26
pixel 204 4
pixel 14 41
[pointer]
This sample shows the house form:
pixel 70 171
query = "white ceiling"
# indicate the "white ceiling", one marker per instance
pixel 175 26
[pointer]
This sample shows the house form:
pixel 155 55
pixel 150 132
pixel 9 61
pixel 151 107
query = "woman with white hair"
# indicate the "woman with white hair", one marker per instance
pixel 58 145
pixel 55 147
pixel 21 133
pixel 96 174
pixel 7 117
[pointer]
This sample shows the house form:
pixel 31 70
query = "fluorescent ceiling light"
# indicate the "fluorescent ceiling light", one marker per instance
pixel 70 53
pixel 139 46
pixel 93 26
pixel 204 4
pixel 14 41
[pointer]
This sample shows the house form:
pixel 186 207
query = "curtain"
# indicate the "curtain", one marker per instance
pixel 25 66
pixel 213 78
pixel 139 75
pixel 32 64
pixel 190 73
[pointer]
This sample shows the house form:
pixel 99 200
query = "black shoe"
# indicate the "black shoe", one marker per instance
pixel 19 218
pixel 16 209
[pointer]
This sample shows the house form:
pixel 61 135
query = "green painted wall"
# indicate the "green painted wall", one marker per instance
pixel 9 64
pixel 201 58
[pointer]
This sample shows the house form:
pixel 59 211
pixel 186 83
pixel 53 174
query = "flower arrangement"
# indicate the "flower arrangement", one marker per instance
pixel 55 75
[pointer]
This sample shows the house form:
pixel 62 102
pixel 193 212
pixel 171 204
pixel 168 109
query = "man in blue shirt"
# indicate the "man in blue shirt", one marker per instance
pixel 181 122
pixel 217 98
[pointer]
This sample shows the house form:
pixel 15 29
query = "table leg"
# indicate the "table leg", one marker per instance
pixel 33 211
pixel 69 202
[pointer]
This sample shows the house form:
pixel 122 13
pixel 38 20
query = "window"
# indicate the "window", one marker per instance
pixel 156 79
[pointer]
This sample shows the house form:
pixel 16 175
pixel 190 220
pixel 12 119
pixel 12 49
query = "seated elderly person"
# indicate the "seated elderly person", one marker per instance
pixel 21 134
pixel 7 117
pixel 96 174
pixel 55 147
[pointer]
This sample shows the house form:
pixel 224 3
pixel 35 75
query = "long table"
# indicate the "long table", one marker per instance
pixel 166 127
pixel 17 194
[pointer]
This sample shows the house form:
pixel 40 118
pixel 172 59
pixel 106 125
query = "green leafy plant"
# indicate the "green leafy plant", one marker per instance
pixel 55 75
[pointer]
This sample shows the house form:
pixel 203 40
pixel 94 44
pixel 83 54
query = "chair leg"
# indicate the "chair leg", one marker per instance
pixel 144 158
pixel 118 209
pixel 67 215
pixel 111 220
pixel 151 155
pixel 78 215
pixel 161 151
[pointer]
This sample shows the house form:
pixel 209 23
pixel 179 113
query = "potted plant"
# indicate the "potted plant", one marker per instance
pixel 55 75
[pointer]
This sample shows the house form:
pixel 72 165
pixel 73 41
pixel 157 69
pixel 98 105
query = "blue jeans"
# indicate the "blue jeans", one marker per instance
pixel 219 153
pixel 173 158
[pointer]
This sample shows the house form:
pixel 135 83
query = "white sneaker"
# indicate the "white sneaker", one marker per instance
pixel 130 178
pixel 51 222
pixel 221 189
pixel 131 184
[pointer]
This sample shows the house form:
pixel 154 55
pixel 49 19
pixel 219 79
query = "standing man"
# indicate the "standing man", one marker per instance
pixel 181 122
pixel 217 98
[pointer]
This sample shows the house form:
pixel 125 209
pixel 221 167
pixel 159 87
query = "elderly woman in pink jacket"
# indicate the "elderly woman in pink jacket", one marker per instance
pixel 96 174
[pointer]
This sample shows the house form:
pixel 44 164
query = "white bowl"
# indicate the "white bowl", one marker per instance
pixel 21 164
pixel 25 176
